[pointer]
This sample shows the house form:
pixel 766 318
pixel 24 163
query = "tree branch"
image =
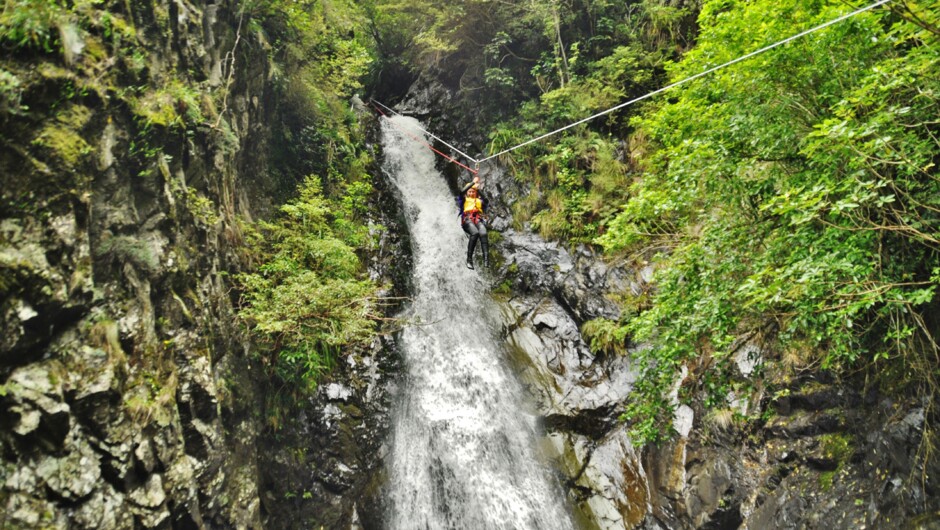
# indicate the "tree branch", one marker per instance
pixel 231 70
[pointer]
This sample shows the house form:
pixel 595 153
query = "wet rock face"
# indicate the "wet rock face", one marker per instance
pixel 542 326
pixel 578 393
pixel 334 475
pixel 50 297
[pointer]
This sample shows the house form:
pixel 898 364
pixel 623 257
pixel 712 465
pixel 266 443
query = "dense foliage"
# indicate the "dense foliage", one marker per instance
pixel 321 54
pixel 793 198
pixel 580 178
pixel 499 55
pixel 308 298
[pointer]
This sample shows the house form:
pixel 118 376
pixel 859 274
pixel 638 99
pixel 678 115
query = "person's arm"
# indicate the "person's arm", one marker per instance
pixel 476 181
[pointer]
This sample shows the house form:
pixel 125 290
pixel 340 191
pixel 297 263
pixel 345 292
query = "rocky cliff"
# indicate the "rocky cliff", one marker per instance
pixel 131 149
pixel 824 453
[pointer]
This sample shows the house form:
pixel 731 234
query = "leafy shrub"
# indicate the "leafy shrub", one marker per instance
pixel 10 93
pixel 792 195
pixel 309 298
pixel 583 175
pixel 605 335
pixel 202 208
pixel 31 23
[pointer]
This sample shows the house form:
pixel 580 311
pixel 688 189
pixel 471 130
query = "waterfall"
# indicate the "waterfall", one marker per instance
pixel 463 449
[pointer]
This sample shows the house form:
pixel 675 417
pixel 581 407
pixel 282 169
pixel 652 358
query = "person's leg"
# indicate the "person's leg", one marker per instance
pixel 474 232
pixel 484 243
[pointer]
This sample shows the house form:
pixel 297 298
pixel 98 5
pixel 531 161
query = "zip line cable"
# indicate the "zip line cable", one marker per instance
pixel 465 155
pixel 696 76
pixel 641 98
pixel 415 138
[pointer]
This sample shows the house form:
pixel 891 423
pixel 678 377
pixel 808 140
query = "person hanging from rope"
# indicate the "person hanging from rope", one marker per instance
pixel 472 219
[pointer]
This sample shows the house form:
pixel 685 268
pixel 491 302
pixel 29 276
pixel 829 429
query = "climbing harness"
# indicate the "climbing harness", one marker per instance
pixel 477 162
pixel 471 217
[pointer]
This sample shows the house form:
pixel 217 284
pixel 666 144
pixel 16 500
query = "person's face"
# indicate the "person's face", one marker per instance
pixel 472 193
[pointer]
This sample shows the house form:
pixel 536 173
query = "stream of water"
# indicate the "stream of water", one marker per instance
pixel 464 449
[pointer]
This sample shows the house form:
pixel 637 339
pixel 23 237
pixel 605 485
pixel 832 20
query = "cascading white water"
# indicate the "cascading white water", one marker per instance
pixel 464 449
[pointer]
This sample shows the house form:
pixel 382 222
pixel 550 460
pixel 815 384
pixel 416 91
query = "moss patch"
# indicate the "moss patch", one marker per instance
pixel 129 249
pixel 838 448
pixel 62 135
pixel 173 104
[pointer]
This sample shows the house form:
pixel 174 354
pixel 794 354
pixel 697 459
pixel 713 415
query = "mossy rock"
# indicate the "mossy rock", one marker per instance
pixel 837 446
pixel 156 108
pixel 62 135
pixel 175 104
pixel 54 72
pixel 96 50
pixel 129 249
pixel 118 26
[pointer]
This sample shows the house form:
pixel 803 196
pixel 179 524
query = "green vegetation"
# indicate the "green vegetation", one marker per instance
pixel 10 93
pixel 32 23
pixel 202 208
pixel 837 448
pixel 308 298
pixel 580 178
pixel 605 335
pixel 793 194
pixel 792 197
pixel 177 104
